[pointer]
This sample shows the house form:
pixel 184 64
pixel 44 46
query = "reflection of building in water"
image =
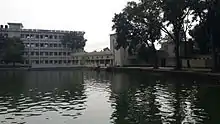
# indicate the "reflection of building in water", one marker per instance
pixel 43 93
pixel 120 82
pixel 165 102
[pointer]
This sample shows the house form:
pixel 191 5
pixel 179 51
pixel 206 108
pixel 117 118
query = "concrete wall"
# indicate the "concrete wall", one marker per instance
pixel 170 62
pixel 198 63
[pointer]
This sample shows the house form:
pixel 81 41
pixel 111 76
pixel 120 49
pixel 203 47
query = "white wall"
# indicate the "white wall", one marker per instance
pixel 120 56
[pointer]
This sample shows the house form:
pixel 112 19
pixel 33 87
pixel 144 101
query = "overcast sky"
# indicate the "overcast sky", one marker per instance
pixel 92 16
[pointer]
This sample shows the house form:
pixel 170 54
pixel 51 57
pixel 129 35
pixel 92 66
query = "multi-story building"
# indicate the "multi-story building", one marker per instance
pixel 42 47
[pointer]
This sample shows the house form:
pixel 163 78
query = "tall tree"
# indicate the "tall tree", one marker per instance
pixel 175 12
pixel 74 40
pixel 209 15
pixel 13 50
pixel 138 25
pixel 200 36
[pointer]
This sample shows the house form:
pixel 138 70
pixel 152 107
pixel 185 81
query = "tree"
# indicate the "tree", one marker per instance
pixel 139 25
pixel 209 14
pixel 74 40
pixel 200 36
pixel 13 50
pixel 175 13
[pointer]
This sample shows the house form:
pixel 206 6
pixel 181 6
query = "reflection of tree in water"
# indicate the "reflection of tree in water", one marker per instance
pixel 209 97
pixel 150 99
pixel 133 104
pixel 11 82
pixel 61 92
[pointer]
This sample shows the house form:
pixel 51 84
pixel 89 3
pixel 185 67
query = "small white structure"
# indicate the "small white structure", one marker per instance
pixel 120 55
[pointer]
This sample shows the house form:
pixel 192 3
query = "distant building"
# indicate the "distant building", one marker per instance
pixel 42 47
pixel 93 59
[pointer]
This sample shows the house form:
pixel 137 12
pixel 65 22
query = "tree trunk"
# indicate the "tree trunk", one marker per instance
pixel 13 64
pixel 177 49
pixel 155 57
pixel 178 63
pixel 188 64
pixel 214 54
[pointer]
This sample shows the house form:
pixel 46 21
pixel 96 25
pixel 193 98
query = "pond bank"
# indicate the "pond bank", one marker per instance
pixel 170 71
pixel 163 70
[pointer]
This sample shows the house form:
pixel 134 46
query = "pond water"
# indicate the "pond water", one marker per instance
pixel 86 97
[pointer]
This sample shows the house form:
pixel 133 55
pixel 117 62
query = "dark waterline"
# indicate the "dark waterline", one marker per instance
pixel 85 97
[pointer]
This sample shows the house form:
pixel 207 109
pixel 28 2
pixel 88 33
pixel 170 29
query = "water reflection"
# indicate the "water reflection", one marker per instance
pixel 56 97
pixel 140 99
pixel 41 94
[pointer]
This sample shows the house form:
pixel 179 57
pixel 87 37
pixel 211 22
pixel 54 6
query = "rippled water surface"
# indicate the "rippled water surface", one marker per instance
pixel 85 97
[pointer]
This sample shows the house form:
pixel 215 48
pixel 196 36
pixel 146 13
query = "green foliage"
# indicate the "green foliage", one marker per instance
pixel 12 50
pixel 138 27
pixel 74 40
pixel 209 21
pixel 141 23
pixel 201 37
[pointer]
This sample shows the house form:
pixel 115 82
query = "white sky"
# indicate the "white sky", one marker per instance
pixel 92 16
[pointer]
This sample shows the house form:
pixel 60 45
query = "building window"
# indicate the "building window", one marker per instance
pixel 60 53
pixel 60 37
pixel 55 45
pixel 55 61
pixel 22 35
pixel 37 62
pixel 51 45
pixel 37 36
pixel 64 53
pixel 41 45
pixel 37 53
pixel 32 53
pixel 60 61
pixel 46 61
pixel 41 61
pixel 51 37
pixel 46 36
pixel 24 53
pixel 55 36
pixel 41 53
pixel 55 53
pixel 41 36
pixel 51 53
pixel 68 53
pixel 107 56
pixel 69 61
pixel 64 61
pixel 31 35
pixel 27 35
pixel 37 45
pixel 59 45
pixel 51 61
pixel 46 53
